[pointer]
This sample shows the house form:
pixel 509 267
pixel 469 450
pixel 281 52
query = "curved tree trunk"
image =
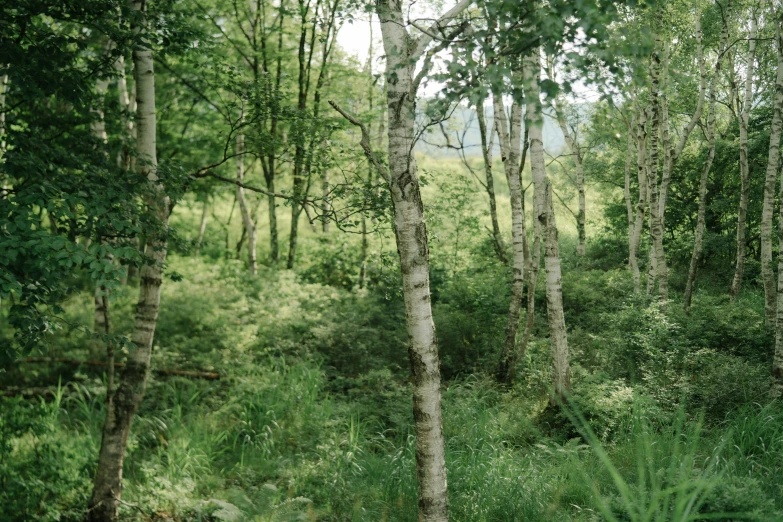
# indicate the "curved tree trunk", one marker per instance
pixel 700 220
pixel 546 217
pixel 486 152
pixel 742 210
pixel 123 402
pixel 509 135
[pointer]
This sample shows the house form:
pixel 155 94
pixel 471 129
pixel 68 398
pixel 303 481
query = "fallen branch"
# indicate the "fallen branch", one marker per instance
pixel 210 376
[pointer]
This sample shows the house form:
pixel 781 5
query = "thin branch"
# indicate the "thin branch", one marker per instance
pixel 365 142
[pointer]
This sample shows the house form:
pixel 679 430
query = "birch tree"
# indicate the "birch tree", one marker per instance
pixel 404 51
pixel 700 220
pixel 545 215
pixel 774 146
pixel 744 116
pixel 509 131
pixel 122 403
pixel 247 219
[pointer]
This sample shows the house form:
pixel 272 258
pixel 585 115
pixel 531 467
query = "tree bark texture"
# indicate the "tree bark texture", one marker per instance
pixel 773 161
pixel 509 136
pixel 486 152
pixel 641 205
pixel 777 360
pixel 546 217
pixel 656 216
pixel 123 402
pixel 402 53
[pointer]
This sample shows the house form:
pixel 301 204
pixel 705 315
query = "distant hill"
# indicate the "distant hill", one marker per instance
pixel 553 136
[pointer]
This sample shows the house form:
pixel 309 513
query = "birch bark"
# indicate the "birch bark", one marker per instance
pixel 486 152
pixel 402 53
pixel 656 217
pixel 123 402
pixel 509 135
pixel 546 217
pixel 777 361
pixel 744 117
pixel 773 161
pixel 641 205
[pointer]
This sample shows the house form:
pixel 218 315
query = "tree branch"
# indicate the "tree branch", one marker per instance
pixel 365 141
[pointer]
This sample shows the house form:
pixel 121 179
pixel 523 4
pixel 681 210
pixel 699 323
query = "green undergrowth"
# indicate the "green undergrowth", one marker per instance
pixel 311 417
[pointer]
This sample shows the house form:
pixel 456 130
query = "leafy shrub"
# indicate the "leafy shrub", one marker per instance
pixel 45 472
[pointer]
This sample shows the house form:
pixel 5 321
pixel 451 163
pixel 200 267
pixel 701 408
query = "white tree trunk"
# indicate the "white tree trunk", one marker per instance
pixel 509 135
pixel 742 211
pixel 123 402
pixel 402 53
pixel 641 206
pixel 546 217
pixel 773 161
pixel 486 152
pixel 247 220
pixel 656 215
pixel 777 119
pixel 202 226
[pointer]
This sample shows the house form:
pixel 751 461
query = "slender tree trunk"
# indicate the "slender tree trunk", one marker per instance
pixel 247 220
pixel 656 219
pixel 202 227
pixel 671 156
pixel 123 402
pixel 98 127
pixel 700 220
pixel 533 265
pixel 773 160
pixel 3 91
pixel 546 218
pixel 327 203
pixel 742 211
pixel 641 206
pixel 509 137
pixel 370 173
pixel 486 152
pixel 127 107
pixel 573 146
pixel 402 53
pixel 777 361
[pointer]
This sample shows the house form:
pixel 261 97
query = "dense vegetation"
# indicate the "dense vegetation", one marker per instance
pixel 225 270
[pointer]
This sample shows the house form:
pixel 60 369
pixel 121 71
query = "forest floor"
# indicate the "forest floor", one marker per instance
pixel 311 416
